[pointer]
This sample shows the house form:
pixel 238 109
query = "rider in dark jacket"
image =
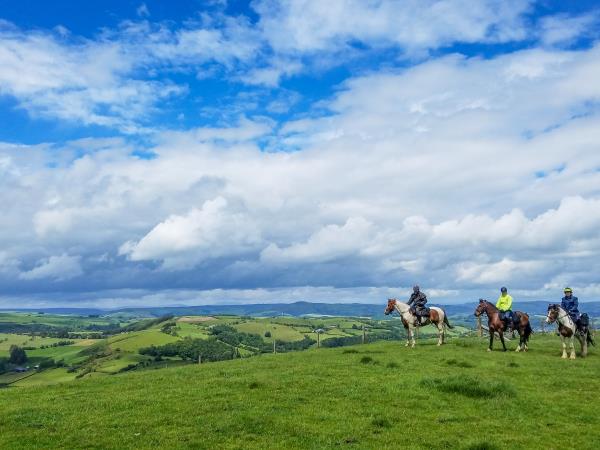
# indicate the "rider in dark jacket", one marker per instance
pixel 571 305
pixel 418 300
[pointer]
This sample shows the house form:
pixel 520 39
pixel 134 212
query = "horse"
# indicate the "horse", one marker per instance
pixel 437 317
pixel 495 325
pixel 568 330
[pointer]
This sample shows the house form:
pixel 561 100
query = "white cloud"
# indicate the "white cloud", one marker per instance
pixel 58 268
pixel 329 243
pixel 142 10
pixel 456 173
pixel 212 231
pixel 563 29
pixel 305 26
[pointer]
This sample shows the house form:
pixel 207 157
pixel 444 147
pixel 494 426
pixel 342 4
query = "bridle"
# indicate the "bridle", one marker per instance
pixel 558 316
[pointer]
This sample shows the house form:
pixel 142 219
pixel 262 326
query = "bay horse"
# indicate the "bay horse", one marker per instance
pixel 437 317
pixel 495 325
pixel 568 330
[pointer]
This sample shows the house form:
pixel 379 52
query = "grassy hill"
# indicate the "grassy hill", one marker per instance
pixel 378 395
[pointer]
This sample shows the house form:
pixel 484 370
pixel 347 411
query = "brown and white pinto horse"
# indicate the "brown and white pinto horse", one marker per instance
pixel 437 317
pixel 495 325
pixel 567 330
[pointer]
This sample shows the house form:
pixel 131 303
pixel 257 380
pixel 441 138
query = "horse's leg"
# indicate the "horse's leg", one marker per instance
pixel 501 333
pixel 407 336
pixel 564 347
pixel 582 342
pixel 521 345
pixel 491 340
pixel 572 344
pixel 413 339
pixel 440 327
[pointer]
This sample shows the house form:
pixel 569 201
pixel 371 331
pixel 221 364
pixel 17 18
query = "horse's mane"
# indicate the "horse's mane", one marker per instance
pixel 489 303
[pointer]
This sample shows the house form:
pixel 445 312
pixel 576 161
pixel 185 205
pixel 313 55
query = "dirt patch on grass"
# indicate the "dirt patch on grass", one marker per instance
pixel 195 319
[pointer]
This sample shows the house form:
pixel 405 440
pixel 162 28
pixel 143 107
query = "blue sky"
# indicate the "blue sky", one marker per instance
pixel 223 151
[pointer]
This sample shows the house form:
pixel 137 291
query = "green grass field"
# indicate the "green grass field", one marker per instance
pixel 372 396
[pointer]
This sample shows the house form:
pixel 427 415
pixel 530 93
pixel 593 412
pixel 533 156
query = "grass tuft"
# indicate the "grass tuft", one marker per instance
pixel 381 422
pixel 350 350
pixel 254 385
pixel 512 364
pixel 367 360
pixel 483 445
pixel 466 343
pixel 392 365
pixel 469 387
pixel 459 363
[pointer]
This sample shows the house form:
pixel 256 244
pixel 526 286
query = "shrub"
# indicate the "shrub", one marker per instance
pixel 267 334
pixel 17 355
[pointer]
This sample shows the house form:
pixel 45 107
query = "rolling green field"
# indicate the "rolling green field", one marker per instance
pixel 371 396
pixel 120 352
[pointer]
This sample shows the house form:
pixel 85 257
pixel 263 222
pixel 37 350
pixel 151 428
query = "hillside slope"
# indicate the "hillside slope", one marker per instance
pixel 379 395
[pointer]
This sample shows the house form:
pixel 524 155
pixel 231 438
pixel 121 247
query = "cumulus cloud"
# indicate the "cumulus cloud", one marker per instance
pixel 329 243
pixel 563 29
pixel 301 26
pixel 212 231
pixel 58 268
pixel 458 173
pixel 118 78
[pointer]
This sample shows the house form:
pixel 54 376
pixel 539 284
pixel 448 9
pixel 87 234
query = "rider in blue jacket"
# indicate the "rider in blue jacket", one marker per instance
pixel 571 304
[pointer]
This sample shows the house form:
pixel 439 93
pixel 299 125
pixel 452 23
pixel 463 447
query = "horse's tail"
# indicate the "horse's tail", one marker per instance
pixel 528 330
pixel 446 321
pixel 590 338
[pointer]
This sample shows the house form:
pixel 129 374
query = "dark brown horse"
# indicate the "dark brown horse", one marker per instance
pixel 496 325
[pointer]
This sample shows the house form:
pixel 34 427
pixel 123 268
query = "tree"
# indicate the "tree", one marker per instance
pixel 17 355
pixel 267 334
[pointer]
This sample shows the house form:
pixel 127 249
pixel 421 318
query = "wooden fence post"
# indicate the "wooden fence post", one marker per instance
pixel 543 326
pixel 479 328
pixel 199 359
pixel 274 348
pixel 363 335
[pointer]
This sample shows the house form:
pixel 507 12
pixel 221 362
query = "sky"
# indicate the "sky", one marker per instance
pixel 222 152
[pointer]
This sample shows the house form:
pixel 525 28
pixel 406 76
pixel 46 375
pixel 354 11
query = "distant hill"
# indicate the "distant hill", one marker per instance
pixel 294 309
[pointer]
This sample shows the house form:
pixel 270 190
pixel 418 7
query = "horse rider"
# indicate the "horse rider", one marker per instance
pixel 418 300
pixel 504 305
pixel 571 305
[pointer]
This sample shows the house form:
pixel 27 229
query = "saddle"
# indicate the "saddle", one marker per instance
pixel 510 323
pixel 422 311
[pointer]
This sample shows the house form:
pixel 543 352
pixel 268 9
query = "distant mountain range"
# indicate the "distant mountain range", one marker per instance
pixel 294 309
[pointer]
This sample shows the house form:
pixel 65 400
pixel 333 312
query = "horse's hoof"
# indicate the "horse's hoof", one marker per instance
pixel 564 356
pixel 518 350
pixel 489 349
pixel 572 357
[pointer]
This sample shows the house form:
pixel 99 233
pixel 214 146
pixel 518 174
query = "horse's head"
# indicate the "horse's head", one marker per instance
pixel 552 314
pixel 391 304
pixel 481 307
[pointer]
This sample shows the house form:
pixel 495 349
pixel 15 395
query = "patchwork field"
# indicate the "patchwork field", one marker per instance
pixel 120 351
